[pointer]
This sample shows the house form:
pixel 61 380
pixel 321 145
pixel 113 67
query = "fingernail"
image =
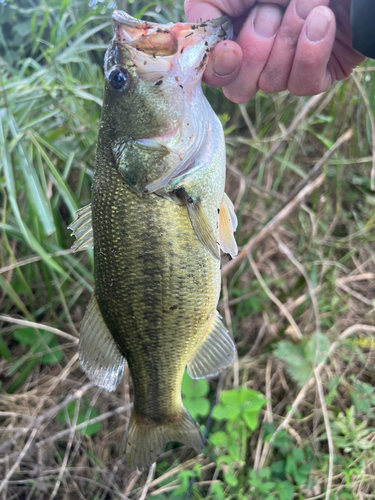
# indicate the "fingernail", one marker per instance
pixel 304 7
pixel 317 25
pixel 267 20
pixel 226 62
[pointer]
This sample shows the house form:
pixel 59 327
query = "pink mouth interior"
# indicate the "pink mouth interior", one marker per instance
pixel 161 42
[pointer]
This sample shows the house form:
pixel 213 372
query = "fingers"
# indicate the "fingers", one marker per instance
pixel 223 65
pixel 275 75
pixel 274 50
pixel 311 72
pixel 255 39
pixel 211 9
pixel 196 10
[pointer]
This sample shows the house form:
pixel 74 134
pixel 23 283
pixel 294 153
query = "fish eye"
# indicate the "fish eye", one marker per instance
pixel 118 78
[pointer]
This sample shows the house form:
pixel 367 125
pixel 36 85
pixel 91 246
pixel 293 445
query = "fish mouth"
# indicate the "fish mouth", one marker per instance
pixel 167 39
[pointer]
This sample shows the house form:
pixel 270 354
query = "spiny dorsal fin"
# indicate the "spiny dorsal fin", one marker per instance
pixel 227 227
pixel 214 353
pixel 82 228
pixel 200 224
pixel 99 355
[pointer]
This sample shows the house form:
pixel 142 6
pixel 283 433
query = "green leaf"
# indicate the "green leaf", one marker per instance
pixel 265 473
pixel 217 491
pixel 283 442
pixel 222 412
pixel 224 459
pixel 4 351
pixel 22 376
pixel 233 449
pixel 251 419
pixel 219 438
pixel 197 406
pixel 55 356
pixel 255 481
pixel 298 472
pixel 40 341
pixel 285 491
pixel 290 465
pixel 243 396
pixel 278 467
pixel 194 388
pixel 298 454
pixel 298 366
pixel 85 413
pixel 316 349
pixel 26 336
pixel 230 478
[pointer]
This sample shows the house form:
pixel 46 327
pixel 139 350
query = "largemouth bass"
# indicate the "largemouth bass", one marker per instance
pixel 157 222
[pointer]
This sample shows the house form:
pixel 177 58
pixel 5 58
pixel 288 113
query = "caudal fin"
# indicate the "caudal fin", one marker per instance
pixel 146 439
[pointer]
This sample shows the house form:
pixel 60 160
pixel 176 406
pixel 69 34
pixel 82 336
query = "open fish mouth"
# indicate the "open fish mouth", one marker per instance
pixel 156 39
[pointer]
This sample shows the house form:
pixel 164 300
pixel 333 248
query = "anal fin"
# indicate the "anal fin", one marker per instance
pixel 227 227
pixel 200 224
pixel 82 228
pixel 99 355
pixel 214 353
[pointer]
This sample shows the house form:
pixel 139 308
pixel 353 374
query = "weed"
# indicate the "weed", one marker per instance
pixel 51 57
pixel 78 413
pixel 195 396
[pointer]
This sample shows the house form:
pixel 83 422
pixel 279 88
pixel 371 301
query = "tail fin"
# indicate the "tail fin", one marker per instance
pixel 146 439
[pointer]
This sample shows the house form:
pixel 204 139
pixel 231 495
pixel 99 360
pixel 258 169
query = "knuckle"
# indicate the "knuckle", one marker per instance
pixel 304 88
pixel 289 37
pixel 237 96
pixel 271 82
pixel 254 55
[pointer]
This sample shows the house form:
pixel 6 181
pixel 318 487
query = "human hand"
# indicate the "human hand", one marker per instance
pixel 300 45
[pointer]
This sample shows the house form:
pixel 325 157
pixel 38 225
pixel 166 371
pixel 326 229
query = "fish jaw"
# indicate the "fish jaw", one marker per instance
pixel 179 50
pixel 160 118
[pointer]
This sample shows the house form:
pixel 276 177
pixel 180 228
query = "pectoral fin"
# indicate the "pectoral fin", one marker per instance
pixel 99 355
pixel 215 352
pixel 200 224
pixel 82 228
pixel 227 227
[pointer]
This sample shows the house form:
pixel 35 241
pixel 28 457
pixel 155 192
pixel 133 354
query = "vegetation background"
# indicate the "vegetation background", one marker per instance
pixel 295 415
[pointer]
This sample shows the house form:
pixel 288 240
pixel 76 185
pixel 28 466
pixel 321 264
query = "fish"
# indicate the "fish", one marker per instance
pixel 157 223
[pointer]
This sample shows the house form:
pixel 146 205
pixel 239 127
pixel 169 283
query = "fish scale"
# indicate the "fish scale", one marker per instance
pixel 139 309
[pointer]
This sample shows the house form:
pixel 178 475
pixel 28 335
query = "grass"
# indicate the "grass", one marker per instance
pixel 299 300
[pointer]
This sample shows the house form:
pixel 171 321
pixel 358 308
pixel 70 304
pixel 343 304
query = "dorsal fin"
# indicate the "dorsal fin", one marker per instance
pixel 82 228
pixel 227 227
pixel 214 353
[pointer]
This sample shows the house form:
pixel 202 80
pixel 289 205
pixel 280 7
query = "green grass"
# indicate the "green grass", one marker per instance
pixel 295 414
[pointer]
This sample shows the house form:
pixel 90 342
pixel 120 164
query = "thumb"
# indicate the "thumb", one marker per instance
pixel 197 10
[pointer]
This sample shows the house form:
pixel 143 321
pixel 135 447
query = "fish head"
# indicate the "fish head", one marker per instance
pixel 151 70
